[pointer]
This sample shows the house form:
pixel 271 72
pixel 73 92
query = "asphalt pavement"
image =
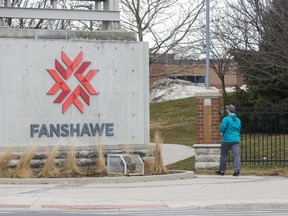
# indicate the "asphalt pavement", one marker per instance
pixel 178 190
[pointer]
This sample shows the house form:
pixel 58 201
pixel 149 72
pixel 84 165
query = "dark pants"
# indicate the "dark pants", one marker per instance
pixel 225 148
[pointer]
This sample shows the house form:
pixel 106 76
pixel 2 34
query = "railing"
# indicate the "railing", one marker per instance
pixel 264 135
pixel 105 10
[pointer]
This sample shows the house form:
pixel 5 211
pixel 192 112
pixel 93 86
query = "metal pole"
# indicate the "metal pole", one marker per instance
pixel 53 5
pixel 91 22
pixel 7 3
pixel 1 18
pixel 207 80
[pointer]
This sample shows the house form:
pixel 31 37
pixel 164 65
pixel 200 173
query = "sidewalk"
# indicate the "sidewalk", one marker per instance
pixel 172 153
pixel 145 192
pixel 200 192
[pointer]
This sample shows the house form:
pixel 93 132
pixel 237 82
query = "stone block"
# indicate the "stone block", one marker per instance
pixel 208 158
pixel 207 155
pixel 206 165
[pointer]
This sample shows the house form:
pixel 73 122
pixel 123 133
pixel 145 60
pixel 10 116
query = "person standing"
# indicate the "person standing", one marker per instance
pixel 230 130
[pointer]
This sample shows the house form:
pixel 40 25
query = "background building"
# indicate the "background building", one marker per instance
pixel 191 70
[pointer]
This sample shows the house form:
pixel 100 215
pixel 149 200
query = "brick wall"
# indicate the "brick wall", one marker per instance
pixel 208 106
pixel 207 151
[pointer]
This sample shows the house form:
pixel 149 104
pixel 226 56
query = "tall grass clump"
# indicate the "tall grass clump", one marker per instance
pixel 156 166
pixel 100 169
pixel 23 169
pixel 129 149
pixel 70 168
pixel 159 166
pixel 4 163
pixel 148 166
pixel 49 169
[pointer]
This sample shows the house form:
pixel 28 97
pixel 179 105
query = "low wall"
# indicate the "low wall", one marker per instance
pixel 207 155
pixel 85 158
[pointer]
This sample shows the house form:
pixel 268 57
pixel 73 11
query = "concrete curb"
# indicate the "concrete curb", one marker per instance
pixel 243 204
pixel 115 179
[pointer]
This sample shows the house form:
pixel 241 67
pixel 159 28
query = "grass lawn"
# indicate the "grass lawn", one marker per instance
pixel 177 122
pixel 257 170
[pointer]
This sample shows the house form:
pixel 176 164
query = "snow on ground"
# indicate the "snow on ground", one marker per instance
pixel 232 89
pixel 172 89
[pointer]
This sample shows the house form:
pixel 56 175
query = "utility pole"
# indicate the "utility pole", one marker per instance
pixel 207 79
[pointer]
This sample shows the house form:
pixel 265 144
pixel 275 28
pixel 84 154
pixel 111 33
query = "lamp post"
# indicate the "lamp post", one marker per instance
pixel 207 80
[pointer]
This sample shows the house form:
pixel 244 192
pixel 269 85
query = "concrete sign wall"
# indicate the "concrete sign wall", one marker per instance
pixel 58 91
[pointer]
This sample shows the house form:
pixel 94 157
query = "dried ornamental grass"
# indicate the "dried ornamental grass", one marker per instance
pixel 159 166
pixel 23 169
pixel 100 169
pixel 129 149
pixel 70 168
pixel 149 166
pixel 4 163
pixel 49 169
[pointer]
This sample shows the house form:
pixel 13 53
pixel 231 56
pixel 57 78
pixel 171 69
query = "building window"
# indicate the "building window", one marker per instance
pixel 193 79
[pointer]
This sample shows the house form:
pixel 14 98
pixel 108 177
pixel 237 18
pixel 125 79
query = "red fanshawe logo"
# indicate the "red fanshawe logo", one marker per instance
pixel 68 97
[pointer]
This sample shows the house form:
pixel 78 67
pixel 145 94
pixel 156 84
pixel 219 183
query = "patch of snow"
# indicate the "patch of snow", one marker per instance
pixel 244 87
pixel 233 89
pixel 230 89
pixel 172 89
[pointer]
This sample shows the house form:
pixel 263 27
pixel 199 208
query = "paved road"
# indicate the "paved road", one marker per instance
pixel 170 212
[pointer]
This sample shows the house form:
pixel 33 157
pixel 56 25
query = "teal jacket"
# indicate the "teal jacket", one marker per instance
pixel 230 127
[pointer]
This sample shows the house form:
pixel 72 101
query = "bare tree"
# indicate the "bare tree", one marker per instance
pixel 260 28
pixel 58 24
pixel 221 61
pixel 27 23
pixel 166 23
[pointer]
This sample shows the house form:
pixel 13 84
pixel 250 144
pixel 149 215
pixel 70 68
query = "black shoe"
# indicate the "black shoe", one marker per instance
pixel 236 173
pixel 218 172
